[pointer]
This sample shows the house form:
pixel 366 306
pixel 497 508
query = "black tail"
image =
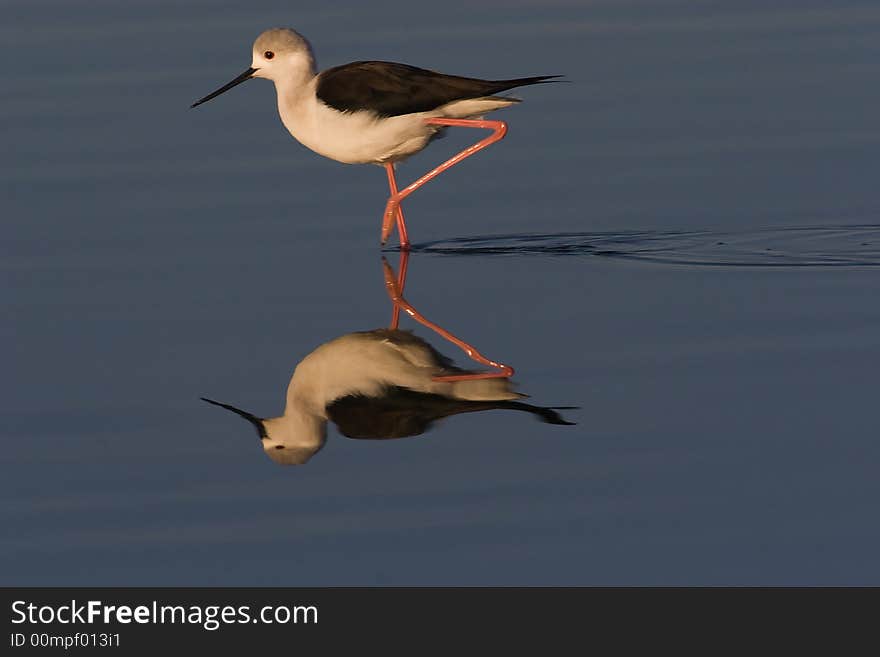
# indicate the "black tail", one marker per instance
pixel 546 414
pixel 504 85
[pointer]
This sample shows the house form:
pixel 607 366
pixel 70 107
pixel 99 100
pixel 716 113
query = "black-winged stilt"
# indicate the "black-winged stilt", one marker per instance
pixel 384 383
pixel 375 384
pixel 374 112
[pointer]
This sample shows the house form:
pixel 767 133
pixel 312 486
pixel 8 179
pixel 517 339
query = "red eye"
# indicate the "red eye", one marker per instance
pixel 268 54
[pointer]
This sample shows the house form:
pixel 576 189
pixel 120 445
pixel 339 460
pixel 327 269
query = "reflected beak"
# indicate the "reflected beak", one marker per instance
pixel 247 75
pixel 250 417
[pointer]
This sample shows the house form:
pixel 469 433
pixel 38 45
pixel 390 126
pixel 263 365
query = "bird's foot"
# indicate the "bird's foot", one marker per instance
pixel 388 218
pixel 394 213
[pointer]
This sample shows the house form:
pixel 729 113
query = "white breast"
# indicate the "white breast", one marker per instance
pixel 360 364
pixel 352 137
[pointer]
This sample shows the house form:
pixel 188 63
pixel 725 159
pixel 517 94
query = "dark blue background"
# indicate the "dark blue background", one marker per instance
pixel 152 255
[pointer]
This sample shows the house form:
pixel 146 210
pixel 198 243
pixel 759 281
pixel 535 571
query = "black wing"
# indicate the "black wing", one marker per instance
pixel 400 413
pixel 389 89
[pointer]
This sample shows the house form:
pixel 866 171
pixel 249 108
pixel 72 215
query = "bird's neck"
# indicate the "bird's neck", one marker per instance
pixel 296 83
pixel 307 393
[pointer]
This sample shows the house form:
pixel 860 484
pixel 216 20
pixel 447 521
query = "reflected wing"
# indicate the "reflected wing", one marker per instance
pixel 400 413
pixel 390 89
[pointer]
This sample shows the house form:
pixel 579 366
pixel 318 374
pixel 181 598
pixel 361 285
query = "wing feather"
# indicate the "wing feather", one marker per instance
pixel 400 412
pixel 391 89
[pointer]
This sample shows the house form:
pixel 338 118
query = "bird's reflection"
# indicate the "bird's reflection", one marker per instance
pixel 382 384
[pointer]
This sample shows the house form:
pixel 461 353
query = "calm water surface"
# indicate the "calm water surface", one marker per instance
pixel 683 241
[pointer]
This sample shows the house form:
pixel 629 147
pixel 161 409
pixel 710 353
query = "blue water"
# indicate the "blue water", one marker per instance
pixel 683 241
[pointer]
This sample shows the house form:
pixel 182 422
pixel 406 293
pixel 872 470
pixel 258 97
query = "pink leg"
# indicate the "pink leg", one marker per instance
pixel 392 208
pixel 393 285
pixel 401 283
pixel 401 224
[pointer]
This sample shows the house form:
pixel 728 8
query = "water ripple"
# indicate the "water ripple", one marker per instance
pixel 807 246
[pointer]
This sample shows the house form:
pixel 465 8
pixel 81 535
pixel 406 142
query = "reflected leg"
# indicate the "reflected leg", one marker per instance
pixel 394 288
pixel 401 283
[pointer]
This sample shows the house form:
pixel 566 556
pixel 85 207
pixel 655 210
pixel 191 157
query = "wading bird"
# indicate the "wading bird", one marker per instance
pixel 374 112
pixel 373 385
pixel 384 383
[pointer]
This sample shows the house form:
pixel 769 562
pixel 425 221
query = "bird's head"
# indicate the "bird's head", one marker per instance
pixel 280 443
pixel 282 53
pixel 279 54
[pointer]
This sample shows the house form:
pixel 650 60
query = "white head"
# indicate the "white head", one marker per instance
pixel 287 440
pixel 282 53
pixel 279 54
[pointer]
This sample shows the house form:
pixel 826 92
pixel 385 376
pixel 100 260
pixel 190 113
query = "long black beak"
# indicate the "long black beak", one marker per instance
pixel 247 75
pixel 250 417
